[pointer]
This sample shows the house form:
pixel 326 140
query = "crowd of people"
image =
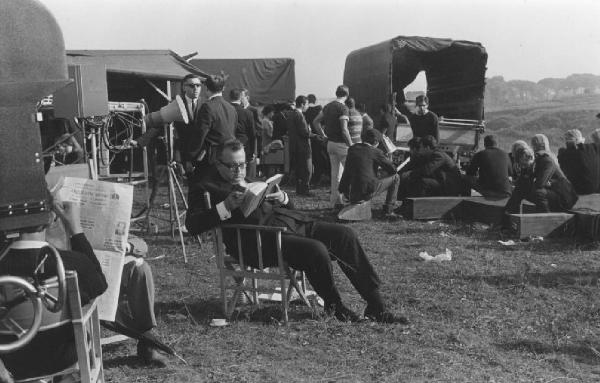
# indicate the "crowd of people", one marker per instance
pixel 218 150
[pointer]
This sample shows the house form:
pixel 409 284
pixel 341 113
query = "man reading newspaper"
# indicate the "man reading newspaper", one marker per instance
pixel 307 245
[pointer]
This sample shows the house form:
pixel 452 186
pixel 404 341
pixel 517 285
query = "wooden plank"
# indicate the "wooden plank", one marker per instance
pixel 489 211
pixel 542 224
pixel 432 207
pixel 113 339
pixel 356 212
pixel 587 224
pixel 589 202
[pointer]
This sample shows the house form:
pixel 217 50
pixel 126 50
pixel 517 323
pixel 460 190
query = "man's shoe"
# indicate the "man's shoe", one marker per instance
pixel 341 313
pixel 150 355
pixel 385 316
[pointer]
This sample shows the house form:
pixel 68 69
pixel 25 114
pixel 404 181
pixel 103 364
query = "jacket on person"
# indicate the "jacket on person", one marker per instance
pixel 245 130
pixel 359 179
pixel 439 166
pixel 200 218
pixel 581 166
pixel 215 122
pixel 298 133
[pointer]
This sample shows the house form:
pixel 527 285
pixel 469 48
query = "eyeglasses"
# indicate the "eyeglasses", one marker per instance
pixel 234 167
pixel 194 85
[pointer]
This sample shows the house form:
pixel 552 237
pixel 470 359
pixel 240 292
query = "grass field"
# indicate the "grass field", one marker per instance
pixel 552 118
pixel 527 313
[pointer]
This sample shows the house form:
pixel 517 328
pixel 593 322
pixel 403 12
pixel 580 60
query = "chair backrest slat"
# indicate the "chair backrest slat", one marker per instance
pixel 259 250
pixel 238 233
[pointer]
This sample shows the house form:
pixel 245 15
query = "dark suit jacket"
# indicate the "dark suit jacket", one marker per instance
pixel 245 130
pixel 311 113
pixel 214 123
pixel 359 179
pixel 439 166
pixel 298 133
pixel 182 130
pixel 200 218
pixel 581 165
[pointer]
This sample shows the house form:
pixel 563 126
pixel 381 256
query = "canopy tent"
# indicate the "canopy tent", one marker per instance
pixel 151 64
pixel 135 74
pixel 268 79
pixel 455 73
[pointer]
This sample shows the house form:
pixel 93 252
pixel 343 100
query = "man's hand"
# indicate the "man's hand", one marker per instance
pixel 277 195
pixel 234 200
pixel 69 214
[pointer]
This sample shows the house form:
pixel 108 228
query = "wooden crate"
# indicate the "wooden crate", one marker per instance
pixel 589 202
pixel 542 224
pixel 490 211
pixel 432 207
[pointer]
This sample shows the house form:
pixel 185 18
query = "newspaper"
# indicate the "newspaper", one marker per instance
pixel 105 215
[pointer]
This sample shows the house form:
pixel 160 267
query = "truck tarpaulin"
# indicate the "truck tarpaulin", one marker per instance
pixel 455 73
pixel 269 80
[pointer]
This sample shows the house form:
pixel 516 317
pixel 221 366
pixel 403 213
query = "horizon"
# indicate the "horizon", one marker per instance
pixel 525 39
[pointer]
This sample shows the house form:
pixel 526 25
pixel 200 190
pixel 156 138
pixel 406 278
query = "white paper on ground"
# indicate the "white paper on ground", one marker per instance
pixel 446 256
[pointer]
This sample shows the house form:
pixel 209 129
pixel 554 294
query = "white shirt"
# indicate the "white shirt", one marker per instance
pixel 215 95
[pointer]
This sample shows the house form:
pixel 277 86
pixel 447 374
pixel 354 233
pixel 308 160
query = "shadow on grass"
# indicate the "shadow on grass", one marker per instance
pixel 547 280
pixel 131 361
pixel 580 352
pixel 204 310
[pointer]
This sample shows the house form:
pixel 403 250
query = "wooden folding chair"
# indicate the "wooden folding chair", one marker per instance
pixel 234 269
pixel 86 327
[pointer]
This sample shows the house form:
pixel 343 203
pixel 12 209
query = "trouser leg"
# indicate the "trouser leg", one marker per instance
pixel 343 245
pixel 337 157
pixel 424 187
pixel 137 284
pixel 390 185
pixel 303 167
pixel 311 256
pixel 545 200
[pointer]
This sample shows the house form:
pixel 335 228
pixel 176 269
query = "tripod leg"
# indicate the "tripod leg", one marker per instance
pixel 173 199
pixel 180 189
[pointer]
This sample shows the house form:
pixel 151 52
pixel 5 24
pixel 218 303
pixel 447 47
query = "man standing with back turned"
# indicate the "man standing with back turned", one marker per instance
pixel 335 116
pixel 214 124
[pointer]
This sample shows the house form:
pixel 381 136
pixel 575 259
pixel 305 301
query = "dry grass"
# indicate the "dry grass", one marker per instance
pixel 527 313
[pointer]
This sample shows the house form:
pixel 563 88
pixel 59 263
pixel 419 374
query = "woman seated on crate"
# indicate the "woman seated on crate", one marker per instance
pixel 540 179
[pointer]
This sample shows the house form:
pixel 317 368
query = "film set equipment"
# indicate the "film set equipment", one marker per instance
pixel 33 66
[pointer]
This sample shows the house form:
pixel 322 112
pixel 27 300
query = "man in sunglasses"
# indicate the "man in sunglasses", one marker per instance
pixel 190 91
pixel 308 245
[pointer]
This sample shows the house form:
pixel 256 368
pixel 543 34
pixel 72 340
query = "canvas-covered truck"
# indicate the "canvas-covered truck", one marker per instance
pixel 455 73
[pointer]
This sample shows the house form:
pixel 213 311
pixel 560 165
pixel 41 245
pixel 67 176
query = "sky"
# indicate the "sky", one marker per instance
pixel 525 39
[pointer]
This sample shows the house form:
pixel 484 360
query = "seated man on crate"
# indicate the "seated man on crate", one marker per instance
pixel 308 245
pixel 490 170
pixel 430 172
pixel 359 181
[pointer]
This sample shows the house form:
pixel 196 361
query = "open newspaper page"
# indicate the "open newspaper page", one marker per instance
pixel 105 215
